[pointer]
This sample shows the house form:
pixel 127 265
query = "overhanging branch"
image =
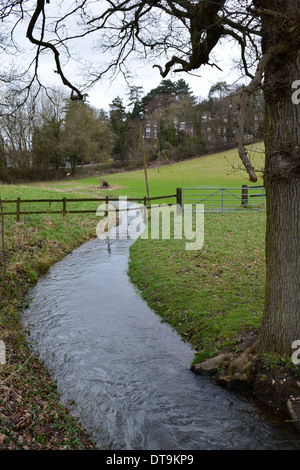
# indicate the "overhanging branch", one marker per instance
pixel 75 94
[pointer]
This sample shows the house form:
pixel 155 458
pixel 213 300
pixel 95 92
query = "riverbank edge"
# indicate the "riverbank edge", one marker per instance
pixel 31 414
pixel 274 385
pixel 270 379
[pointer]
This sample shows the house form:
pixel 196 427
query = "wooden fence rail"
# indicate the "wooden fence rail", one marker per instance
pixel 180 198
pixel 66 201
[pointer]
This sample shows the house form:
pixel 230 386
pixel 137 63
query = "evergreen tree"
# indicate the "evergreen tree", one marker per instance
pixel 120 126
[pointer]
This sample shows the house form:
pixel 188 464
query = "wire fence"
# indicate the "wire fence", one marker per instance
pixel 224 199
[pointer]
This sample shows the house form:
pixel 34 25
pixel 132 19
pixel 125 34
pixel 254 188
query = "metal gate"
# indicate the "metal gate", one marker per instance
pixel 223 199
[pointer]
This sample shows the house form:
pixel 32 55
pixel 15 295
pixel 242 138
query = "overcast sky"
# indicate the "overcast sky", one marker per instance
pixel 148 77
pixel 102 94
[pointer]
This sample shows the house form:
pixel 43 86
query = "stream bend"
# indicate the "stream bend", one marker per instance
pixel 127 374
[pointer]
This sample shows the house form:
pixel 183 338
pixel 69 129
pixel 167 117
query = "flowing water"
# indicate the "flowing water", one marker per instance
pixel 125 373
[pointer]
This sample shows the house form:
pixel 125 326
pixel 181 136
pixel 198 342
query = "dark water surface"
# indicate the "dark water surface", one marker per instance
pixel 127 372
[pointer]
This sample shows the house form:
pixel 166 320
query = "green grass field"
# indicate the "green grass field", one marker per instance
pixel 212 293
pixel 210 296
pixel 214 171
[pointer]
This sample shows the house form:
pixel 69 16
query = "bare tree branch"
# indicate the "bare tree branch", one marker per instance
pixel 40 9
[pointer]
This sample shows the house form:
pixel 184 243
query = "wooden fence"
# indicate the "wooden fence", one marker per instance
pixel 66 202
pixel 192 196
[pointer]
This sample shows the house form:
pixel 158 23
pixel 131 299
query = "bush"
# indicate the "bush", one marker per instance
pixel 15 175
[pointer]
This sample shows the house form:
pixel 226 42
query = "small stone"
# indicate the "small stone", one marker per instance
pixel 293 409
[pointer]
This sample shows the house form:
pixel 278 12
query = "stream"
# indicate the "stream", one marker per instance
pixel 125 373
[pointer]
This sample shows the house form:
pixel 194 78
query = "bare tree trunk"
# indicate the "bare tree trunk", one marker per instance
pixel 281 319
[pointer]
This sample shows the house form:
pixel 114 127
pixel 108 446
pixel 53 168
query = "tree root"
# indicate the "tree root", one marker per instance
pixel 239 372
pixel 235 372
pixel 278 388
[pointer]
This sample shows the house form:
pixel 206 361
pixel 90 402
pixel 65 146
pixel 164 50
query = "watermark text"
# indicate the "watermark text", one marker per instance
pixel 2 353
pixel 167 220
pixel 296 354
pixel 296 94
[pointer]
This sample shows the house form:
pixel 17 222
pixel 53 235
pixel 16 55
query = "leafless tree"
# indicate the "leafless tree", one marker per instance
pixel 178 36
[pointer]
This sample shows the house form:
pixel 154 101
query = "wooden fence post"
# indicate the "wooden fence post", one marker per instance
pixel 179 196
pixel 18 209
pixel 245 195
pixel 145 208
pixel 106 206
pixel 179 200
pixel 64 207
pixel 144 159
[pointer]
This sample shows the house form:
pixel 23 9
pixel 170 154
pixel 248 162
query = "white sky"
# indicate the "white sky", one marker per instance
pixel 146 76
pixel 102 94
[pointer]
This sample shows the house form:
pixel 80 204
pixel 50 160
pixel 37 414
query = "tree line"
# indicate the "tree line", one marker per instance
pixel 51 134
pixel 177 125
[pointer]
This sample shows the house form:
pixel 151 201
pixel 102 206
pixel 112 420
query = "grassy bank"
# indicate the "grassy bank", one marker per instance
pixel 31 416
pixel 210 296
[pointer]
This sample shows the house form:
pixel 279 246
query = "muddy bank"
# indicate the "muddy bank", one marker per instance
pixel 274 382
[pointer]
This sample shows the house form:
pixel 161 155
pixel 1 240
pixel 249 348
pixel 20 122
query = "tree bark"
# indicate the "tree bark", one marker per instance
pixel 281 318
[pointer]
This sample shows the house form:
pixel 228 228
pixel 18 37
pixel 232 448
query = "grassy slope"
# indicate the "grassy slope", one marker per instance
pixel 213 171
pixel 228 273
pixel 210 296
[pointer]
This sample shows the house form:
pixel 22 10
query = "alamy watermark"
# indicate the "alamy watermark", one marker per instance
pixel 2 353
pixel 295 356
pixel 128 220
pixel 296 94
pixel 296 344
